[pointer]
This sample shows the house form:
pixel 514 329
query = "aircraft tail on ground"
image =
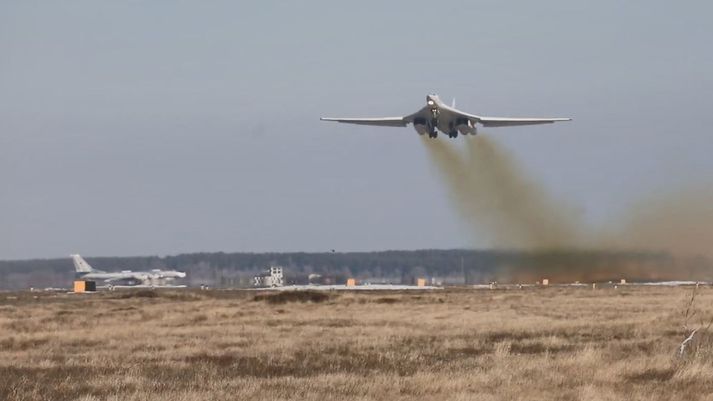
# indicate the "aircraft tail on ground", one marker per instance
pixel 81 265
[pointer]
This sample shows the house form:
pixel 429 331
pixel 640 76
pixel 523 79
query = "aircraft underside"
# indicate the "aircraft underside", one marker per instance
pixel 451 127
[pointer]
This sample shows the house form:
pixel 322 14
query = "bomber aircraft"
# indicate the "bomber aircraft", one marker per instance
pixel 436 116
pixel 125 277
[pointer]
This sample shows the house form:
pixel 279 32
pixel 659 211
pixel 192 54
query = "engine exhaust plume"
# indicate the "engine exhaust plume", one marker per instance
pixel 495 198
pixel 679 222
pixel 663 237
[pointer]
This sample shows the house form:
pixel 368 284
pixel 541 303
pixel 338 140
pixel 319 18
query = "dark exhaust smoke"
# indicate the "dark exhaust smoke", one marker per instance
pixel 498 200
pixel 495 198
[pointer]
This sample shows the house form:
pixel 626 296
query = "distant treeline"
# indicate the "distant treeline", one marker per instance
pixel 444 266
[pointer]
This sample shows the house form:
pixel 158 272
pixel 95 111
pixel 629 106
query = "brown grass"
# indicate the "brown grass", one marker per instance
pixel 530 344
pixel 282 297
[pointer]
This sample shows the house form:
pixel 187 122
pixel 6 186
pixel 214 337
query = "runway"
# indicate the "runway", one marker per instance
pixel 364 287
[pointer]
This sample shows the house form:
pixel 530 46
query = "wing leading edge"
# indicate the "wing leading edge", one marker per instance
pixel 507 122
pixel 383 121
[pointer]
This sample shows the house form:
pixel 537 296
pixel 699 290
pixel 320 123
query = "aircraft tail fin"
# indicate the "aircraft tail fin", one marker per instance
pixel 81 265
pixel 453 104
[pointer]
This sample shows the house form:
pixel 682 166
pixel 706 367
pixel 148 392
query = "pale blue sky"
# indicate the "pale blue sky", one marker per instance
pixel 159 127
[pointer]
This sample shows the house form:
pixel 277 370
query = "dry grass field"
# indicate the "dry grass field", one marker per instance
pixel 531 344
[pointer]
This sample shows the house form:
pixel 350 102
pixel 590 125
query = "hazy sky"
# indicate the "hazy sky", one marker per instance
pixel 159 127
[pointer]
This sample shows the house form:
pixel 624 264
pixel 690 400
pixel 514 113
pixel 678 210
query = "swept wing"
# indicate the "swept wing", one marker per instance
pixel 507 122
pixel 502 121
pixel 383 121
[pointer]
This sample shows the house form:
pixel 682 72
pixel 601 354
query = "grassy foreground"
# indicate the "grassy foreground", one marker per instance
pixel 530 344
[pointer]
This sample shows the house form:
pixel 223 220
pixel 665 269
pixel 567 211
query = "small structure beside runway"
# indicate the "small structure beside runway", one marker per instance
pixel 84 286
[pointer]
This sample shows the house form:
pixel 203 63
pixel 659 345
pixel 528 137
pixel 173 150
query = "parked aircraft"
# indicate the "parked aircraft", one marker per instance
pixel 125 277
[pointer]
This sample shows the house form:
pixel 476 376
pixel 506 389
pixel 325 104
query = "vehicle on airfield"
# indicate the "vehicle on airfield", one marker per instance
pixel 437 116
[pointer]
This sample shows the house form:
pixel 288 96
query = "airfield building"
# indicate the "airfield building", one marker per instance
pixel 271 278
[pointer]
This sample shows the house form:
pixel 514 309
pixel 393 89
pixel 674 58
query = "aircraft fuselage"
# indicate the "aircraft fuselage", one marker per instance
pixel 436 116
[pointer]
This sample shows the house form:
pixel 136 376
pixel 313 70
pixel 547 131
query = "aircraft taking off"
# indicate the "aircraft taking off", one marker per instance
pixel 436 116
pixel 126 277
